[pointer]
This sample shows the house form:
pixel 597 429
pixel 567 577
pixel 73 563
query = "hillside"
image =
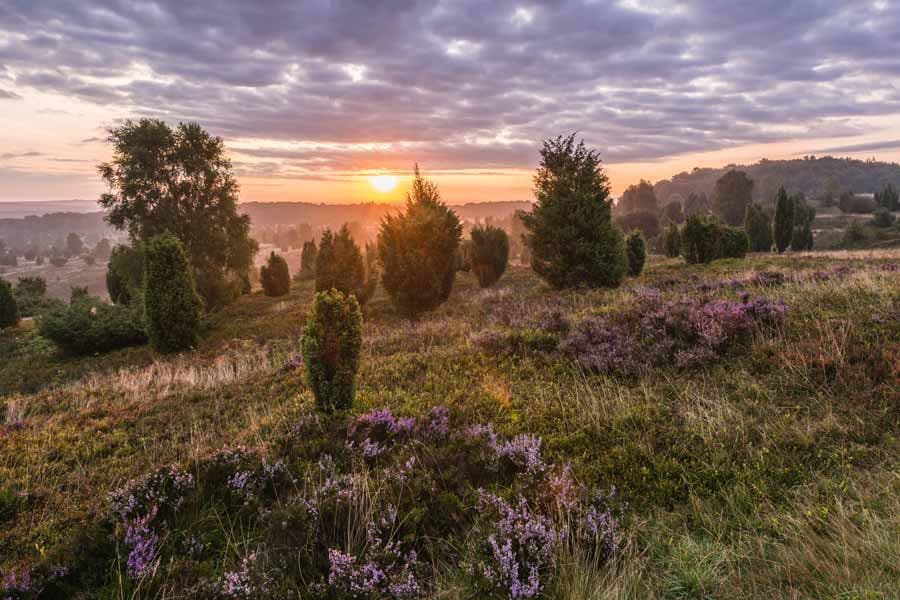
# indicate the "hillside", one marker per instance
pixel 810 175
pixel 765 470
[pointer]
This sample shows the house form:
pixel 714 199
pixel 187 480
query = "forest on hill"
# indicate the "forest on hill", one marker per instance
pixel 814 177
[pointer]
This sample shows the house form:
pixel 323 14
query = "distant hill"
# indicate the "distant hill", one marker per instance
pixel 810 175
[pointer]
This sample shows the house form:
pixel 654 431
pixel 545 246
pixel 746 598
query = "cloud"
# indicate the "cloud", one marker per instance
pixel 12 155
pixel 862 147
pixel 7 95
pixel 468 84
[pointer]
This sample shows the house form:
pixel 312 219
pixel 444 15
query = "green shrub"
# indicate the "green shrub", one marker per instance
pixel 882 218
pixel 308 261
pixel 803 216
pixel 171 303
pixel 331 346
pixel 489 254
pixel 9 309
pixel 125 274
pixel 733 242
pixel 570 232
pixel 275 276
pixel 417 250
pixel 31 296
pixel 672 241
pixel 784 220
pixel 340 266
pixel 636 252
pixel 700 239
pixel 758 225
pixel 89 326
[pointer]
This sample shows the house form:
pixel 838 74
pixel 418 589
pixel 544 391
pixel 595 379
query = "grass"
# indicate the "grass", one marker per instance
pixel 773 473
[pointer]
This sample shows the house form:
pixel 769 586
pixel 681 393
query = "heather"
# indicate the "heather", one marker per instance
pixel 738 441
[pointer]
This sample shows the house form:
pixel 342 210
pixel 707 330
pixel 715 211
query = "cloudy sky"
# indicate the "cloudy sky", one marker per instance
pixel 314 98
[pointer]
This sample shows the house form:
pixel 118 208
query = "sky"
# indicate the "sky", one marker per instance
pixel 315 98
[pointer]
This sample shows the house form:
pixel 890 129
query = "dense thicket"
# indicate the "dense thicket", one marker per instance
pixel 636 252
pixel 171 304
pixel 331 345
pixel 417 250
pixel 758 225
pixel 570 232
pixel 489 254
pixel 275 276
pixel 9 309
pixel 178 180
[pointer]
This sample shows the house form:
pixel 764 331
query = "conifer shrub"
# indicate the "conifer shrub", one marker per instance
pixel 672 241
pixel 308 261
pixel 803 216
pixel 489 254
pixel 9 309
pixel 700 239
pixel 89 326
pixel 570 231
pixel 125 274
pixel 340 266
pixel 636 251
pixel 733 242
pixel 758 225
pixel 331 346
pixel 417 250
pixel 784 220
pixel 275 276
pixel 171 303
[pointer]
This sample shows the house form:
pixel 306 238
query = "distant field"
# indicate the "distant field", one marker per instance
pixel 61 280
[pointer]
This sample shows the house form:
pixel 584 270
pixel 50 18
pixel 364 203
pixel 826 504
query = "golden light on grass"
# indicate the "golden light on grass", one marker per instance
pixel 383 183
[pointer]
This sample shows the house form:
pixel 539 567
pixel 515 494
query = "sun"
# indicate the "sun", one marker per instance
pixel 383 183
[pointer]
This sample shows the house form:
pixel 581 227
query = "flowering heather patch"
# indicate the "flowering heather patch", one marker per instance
pixel 685 332
pixel 438 424
pixel 143 543
pixel 246 582
pixel 890 267
pixel 161 491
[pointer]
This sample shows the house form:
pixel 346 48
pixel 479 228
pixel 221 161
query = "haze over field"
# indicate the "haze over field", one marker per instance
pixel 315 100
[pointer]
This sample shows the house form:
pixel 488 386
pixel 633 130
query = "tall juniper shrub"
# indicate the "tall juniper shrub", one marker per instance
pixel 171 303
pixel 637 253
pixel 275 276
pixel 9 310
pixel 489 253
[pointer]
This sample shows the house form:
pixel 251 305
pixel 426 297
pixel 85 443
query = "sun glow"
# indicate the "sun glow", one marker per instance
pixel 383 183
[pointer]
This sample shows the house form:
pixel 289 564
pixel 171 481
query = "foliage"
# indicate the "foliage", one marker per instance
pixel 340 266
pixel 9 309
pixel 883 218
pixel 89 326
pixel 700 239
pixel 417 250
pixel 888 198
pixel 758 225
pixel 171 303
pixel 672 241
pixel 734 193
pixel 178 180
pixel 308 261
pixel 571 236
pixel 696 204
pixel 332 340
pixel 733 242
pixel 673 212
pixel 638 197
pixel 31 296
pixel 646 222
pixel 125 274
pixel 489 254
pixel 783 227
pixel 74 245
pixel 803 216
pixel 275 276
pixel 637 253
pixel 856 204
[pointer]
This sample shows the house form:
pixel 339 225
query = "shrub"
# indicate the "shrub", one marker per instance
pixel 308 261
pixel 125 274
pixel 804 214
pixel 672 241
pixel 645 222
pixel 758 225
pixel 489 254
pixel 733 242
pixel 331 346
pixel 888 198
pixel 59 261
pixel 637 253
pixel 340 266
pixel 417 250
pixel 734 193
pixel 31 296
pixel 784 220
pixel 89 326
pixel 570 232
pixel 851 203
pixel 275 276
pixel 700 239
pixel 9 309
pixel 882 218
pixel 171 303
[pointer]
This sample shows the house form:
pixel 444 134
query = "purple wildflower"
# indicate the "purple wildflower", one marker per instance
pixel 143 541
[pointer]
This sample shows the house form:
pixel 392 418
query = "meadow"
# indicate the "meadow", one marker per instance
pixel 770 469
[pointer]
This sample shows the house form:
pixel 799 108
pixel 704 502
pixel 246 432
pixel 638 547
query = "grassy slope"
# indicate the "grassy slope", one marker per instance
pixel 776 474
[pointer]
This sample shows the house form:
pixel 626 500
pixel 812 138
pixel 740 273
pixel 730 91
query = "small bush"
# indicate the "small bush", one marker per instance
pixel 9 309
pixel 489 254
pixel 171 302
pixel 733 242
pixel 308 261
pixel 672 241
pixel 636 251
pixel 700 239
pixel 331 345
pixel 89 326
pixel 275 276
